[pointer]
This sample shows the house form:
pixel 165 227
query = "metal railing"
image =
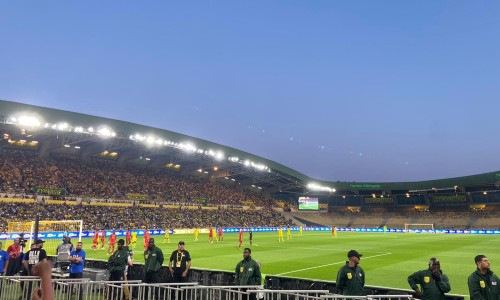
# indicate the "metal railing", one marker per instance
pixel 21 288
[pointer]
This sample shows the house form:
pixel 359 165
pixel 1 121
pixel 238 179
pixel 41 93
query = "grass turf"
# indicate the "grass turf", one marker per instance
pixel 388 258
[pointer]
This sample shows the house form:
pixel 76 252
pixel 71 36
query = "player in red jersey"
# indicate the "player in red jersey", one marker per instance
pixel 240 239
pixel 96 240
pixel 221 234
pixel 127 237
pixel 112 243
pixel 211 235
pixel 103 237
pixel 146 239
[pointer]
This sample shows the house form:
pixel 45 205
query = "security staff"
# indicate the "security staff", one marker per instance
pixel 247 272
pixel 351 277
pixel 179 263
pixel 483 284
pixel 433 282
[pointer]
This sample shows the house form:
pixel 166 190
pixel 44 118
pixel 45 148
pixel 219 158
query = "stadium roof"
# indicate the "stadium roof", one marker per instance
pixel 85 136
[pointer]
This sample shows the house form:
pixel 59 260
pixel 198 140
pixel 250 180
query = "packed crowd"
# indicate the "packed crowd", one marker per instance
pixel 115 217
pixel 21 171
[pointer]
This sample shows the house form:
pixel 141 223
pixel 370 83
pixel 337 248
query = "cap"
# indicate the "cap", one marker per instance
pixel 181 243
pixel 39 241
pixel 121 242
pixel 352 253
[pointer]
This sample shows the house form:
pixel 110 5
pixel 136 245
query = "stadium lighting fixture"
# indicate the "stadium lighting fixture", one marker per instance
pixel 200 170
pixel 34 142
pixel 62 126
pixel 216 169
pixel 219 155
pixel 260 188
pixel 28 121
pixel 485 193
pixel 206 172
pixel 67 146
pixel 106 132
pixel 317 187
pixel 233 179
pixel 91 129
pixel 247 163
pixel 374 196
pixel 77 147
pixel 22 141
pixel 78 129
pixel 407 195
pixel 150 140
pixel 226 177
pixel 253 185
pixel 147 158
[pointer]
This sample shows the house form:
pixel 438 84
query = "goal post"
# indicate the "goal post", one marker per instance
pixel 411 227
pixel 52 232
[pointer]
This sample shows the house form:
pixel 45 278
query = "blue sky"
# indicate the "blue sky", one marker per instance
pixel 338 90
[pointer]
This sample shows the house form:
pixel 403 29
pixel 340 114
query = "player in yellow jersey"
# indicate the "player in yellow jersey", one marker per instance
pixel 300 230
pixel 214 234
pixel 196 234
pixel 334 231
pixel 166 238
pixel 133 239
pixel 288 233
pixel 280 234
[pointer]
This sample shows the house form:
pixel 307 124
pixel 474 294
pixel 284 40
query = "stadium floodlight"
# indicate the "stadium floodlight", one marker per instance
pixel 78 129
pixel 29 121
pixel 77 147
pixel 234 159
pixel 188 147
pixel 219 155
pixel 67 146
pixel 106 132
pixel 91 129
pixel 62 126
pixel 147 158
pixel 317 187
pixel 150 140
pixel 246 163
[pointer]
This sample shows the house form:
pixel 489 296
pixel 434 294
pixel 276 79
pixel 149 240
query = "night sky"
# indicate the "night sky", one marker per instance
pixel 338 90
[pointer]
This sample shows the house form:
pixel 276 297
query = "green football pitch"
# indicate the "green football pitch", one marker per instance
pixel 388 258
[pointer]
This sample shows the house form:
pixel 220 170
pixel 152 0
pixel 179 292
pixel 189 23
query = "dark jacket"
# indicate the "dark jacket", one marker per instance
pixel 433 288
pixel 153 259
pixel 247 272
pixel 118 261
pixel 351 281
pixel 484 286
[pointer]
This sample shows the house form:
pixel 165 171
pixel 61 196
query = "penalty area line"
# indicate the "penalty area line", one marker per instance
pixel 335 263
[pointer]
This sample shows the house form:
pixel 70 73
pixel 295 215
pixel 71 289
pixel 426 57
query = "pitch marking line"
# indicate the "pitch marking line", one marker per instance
pixel 335 263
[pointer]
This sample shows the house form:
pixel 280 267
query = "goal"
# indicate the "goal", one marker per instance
pixel 52 232
pixel 409 227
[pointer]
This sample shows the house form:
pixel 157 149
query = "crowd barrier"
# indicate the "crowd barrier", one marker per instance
pixel 21 287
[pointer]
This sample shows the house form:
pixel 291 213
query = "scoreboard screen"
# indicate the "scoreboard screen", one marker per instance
pixel 306 203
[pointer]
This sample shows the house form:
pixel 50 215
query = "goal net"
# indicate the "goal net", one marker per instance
pixel 52 232
pixel 419 227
